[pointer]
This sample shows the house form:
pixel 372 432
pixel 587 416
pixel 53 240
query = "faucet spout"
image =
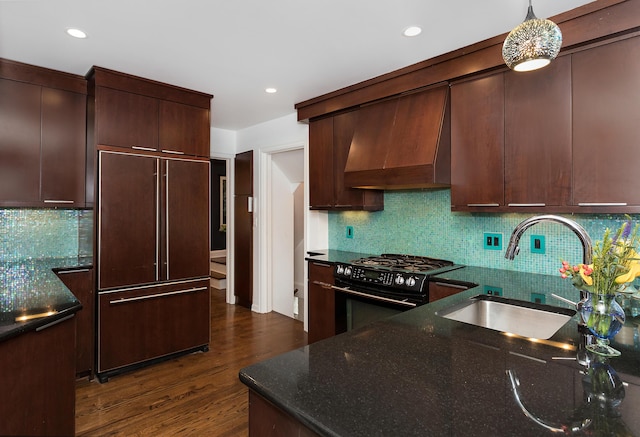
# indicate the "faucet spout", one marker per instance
pixel 513 248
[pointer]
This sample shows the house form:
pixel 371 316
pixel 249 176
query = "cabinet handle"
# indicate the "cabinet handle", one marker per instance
pixel 64 272
pixel 154 296
pixel 527 204
pixel 445 284
pixel 373 297
pixel 323 284
pixel 57 201
pixel 483 204
pixel 55 322
pixel 602 204
pixel 176 152
pixel 148 149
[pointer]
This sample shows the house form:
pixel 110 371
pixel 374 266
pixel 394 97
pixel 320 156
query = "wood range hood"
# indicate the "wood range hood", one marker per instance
pixel 402 143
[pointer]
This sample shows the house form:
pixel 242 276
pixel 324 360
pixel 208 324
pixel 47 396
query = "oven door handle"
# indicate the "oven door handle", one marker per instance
pixel 374 297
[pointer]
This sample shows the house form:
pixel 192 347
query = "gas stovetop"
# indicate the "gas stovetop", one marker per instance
pixel 411 263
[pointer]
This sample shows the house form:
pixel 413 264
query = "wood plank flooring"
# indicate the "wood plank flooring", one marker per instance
pixel 194 395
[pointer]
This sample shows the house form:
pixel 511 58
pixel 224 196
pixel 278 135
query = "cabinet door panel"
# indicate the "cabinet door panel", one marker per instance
pixel 322 302
pixel 321 163
pixel 606 126
pixel 63 146
pixel 127 220
pixel 538 135
pixel 184 129
pixel 126 119
pixel 80 283
pixel 19 143
pixel 187 219
pixel 477 142
pixel 149 322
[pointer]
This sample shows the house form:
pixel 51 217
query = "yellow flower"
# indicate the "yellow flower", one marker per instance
pixel 634 270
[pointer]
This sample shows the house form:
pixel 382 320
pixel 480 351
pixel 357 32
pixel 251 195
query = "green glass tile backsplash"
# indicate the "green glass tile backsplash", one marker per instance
pixel 44 233
pixel 421 223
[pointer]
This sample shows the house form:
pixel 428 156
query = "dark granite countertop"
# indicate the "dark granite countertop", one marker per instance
pixel 31 290
pixel 418 374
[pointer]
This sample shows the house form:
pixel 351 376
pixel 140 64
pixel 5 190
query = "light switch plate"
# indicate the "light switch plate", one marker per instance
pixel 538 244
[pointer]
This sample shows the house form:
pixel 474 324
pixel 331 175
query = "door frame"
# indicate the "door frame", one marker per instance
pixel 263 299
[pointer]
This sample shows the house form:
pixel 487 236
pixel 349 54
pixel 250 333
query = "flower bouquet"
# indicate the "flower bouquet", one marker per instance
pixel 616 263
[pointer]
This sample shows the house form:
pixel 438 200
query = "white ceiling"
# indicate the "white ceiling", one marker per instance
pixel 234 49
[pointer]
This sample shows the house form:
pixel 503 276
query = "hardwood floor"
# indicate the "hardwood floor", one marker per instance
pixel 194 395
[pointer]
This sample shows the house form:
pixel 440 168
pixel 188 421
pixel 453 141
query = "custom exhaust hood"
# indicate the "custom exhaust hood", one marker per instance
pixel 402 143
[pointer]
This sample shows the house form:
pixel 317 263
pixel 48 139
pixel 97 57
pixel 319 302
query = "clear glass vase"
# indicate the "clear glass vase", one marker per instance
pixel 604 317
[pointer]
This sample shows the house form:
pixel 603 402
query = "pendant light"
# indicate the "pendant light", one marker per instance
pixel 533 44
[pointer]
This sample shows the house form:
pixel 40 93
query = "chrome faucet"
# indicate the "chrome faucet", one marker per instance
pixel 513 248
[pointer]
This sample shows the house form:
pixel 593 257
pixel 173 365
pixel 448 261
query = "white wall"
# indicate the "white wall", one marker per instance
pixel 223 143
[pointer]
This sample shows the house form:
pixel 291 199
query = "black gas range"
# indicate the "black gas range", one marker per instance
pixel 402 280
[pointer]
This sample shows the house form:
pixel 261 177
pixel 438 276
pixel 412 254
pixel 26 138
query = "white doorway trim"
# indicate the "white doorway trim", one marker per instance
pixel 263 299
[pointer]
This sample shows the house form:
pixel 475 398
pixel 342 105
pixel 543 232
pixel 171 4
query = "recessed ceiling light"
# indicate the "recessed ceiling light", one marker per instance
pixel 412 31
pixel 76 33
pixel 271 90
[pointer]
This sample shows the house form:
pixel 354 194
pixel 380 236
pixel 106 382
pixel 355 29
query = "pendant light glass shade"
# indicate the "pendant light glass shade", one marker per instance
pixel 533 44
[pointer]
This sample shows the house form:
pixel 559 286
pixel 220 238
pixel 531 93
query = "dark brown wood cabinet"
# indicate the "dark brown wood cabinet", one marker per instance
pixel 322 302
pixel 477 143
pixel 267 420
pixel 184 129
pixel 153 219
pixel 439 290
pixel 126 119
pixel 606 104
pixel 537 150
pixel 329 143
pixel 142 323
pixel 80 283
pixel 42 137
pixel 511 140
pixel 151 147
pixel 137 113
pixel 37 382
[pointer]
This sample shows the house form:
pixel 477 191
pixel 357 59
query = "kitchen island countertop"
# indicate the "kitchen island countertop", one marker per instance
pixel 33 296
pixel 419 374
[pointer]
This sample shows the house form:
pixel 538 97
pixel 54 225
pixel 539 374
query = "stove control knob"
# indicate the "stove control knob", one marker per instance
pixel 411 281
pixel 340 270
pixel 399 280
pixel 347 271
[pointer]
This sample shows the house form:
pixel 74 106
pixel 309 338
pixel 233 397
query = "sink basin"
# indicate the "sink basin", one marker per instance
pixel 510 315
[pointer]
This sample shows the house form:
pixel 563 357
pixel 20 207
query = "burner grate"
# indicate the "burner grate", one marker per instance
pixel 403 262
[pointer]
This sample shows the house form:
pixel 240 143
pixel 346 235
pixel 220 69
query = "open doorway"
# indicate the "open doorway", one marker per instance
pixel 286 230
pixel 218 233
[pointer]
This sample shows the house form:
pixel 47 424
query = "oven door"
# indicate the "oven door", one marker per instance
pixel 364 306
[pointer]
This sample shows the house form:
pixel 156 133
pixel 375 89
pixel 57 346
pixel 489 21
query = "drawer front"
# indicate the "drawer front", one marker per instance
pixel 142 323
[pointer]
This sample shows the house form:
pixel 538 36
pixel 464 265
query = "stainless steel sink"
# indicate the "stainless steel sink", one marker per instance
pixel 510 315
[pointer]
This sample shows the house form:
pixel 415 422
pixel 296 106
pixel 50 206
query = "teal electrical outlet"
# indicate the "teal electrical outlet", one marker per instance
pixel 349 231
pixel 538 244
pixel 493 291
pixel 538 298
pixel 492 241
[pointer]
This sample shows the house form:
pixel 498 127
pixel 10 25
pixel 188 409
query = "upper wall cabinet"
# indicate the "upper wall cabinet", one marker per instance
pixel 137 113
pixel 606 127
pixel 42 137
pixel 511 140
pixel 329 142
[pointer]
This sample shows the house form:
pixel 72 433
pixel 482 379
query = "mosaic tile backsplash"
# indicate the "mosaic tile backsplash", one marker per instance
pixel 421 223
pixel 29 234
